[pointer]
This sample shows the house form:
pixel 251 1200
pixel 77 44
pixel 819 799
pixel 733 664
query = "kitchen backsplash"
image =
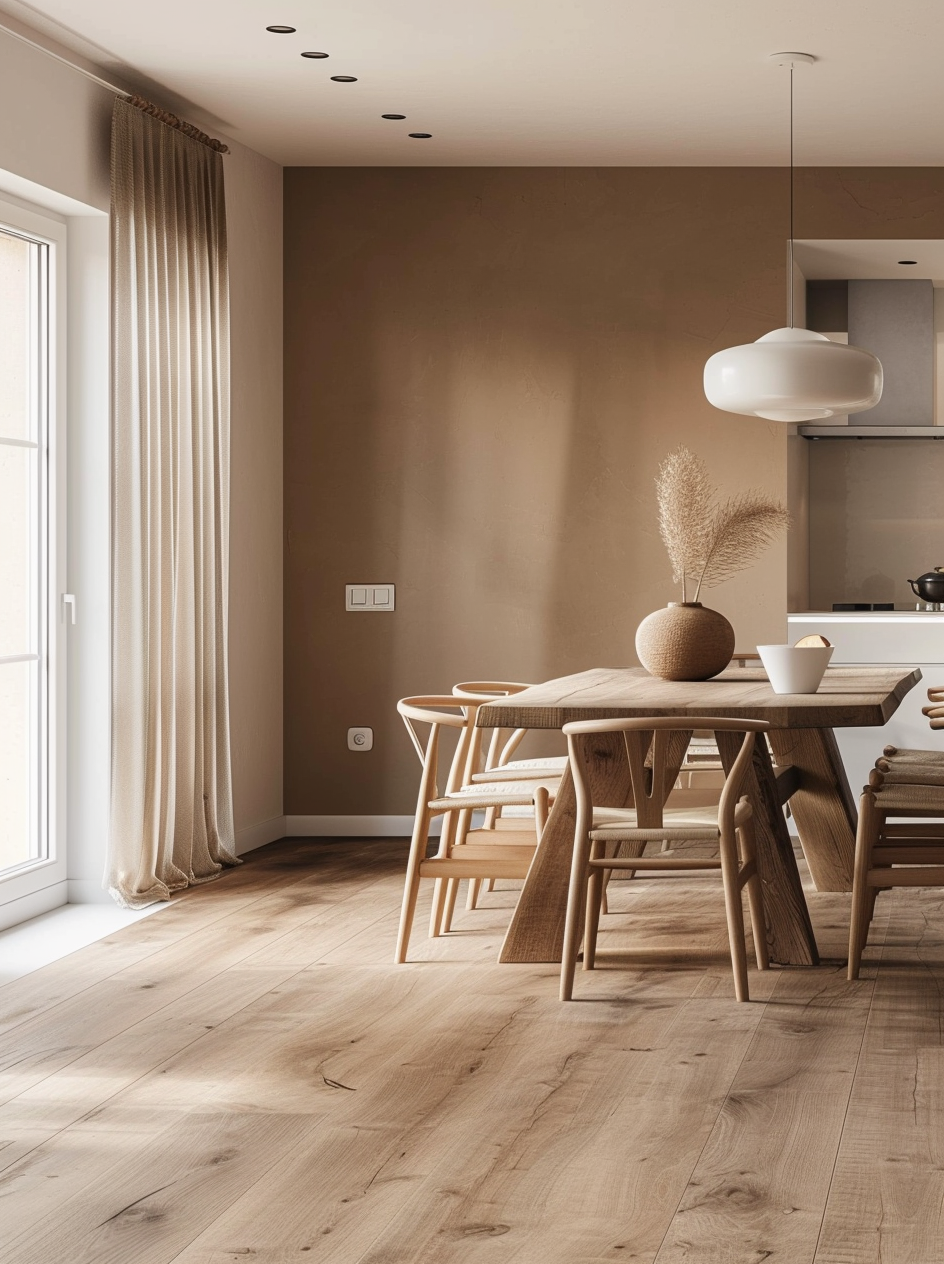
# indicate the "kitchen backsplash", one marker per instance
pixel 876 518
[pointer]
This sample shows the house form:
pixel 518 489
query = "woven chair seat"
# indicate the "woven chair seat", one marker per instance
pixel 904 797
pixel 909 774
pixel 493 794
pixel 903 757
pixel 680 824
pixel 516 769
pixel 478 802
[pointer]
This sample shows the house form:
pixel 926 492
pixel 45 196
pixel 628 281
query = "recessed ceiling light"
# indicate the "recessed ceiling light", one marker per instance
pixel 314 54
pixel 393 116
pixel 422 135
pixel 908 261
pixel 344 78
pixel 281 30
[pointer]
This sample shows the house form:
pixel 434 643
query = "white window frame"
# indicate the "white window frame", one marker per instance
pixel 50 870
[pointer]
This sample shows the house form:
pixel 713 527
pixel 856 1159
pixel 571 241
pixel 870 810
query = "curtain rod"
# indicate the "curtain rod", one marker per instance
pixel 139 102
pixel 171 120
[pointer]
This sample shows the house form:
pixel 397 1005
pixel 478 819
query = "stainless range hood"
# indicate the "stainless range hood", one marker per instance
pixel 813 431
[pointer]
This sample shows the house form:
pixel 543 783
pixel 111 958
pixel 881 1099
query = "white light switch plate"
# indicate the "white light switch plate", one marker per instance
pixel 369 597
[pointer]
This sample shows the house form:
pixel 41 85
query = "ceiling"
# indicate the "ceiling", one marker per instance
pixel 532 82
pixel 871 260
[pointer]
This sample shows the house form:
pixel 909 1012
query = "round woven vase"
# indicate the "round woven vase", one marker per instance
pixel 685 641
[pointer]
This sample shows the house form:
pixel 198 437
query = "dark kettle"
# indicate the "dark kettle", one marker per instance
pixel 930 586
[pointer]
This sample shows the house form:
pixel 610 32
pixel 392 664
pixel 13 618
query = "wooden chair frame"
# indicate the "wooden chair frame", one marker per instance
pixel 462 852
pixel 493 769
pixel 504 742
pixel 648 742
pixel 903 783
pixel 882 844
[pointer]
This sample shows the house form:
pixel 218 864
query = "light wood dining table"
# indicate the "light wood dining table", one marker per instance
pixel 806 771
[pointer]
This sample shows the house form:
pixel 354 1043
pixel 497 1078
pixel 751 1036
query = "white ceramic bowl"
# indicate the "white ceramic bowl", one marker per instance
pixel 795 669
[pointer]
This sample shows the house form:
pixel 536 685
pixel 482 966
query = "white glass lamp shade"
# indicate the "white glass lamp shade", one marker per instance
pixel 793 375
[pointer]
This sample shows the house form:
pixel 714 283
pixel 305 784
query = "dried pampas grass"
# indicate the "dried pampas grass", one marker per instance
pixel 684 496
pixel 708 543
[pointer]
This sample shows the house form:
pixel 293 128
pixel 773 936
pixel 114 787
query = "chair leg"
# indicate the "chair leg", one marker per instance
pixel 541 810
pixel 607 877
pixel 735 914
pixel 472 899
pixel 594 905
pixel 866 837
pixel 436 912
pixel 619 850
pixel 576 895
pixel 755 896
pixel 411 887
pixel 452 891
pixel 490 885
pixel 873 896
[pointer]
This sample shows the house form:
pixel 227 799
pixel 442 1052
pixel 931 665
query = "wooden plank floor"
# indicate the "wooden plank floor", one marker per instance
pixel 245 1076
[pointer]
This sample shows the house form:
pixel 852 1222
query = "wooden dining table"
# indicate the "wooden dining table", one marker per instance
pixel 806 770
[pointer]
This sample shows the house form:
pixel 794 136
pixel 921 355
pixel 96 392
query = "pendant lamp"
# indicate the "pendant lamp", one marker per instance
pixel 793 374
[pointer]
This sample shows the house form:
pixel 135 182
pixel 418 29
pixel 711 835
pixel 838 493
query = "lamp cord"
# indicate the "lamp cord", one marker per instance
pixel 791 278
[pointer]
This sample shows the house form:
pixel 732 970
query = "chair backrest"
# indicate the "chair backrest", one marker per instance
pixel 654 747
pixel 503 742
pixel 440 711
pixel 489 689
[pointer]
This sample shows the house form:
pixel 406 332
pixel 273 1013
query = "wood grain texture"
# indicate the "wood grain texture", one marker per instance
pixel 848 697
pixel 790 938
pixel 888 1186
pixel 308 1100
pixel 801 730
pixel 822 803
pixel 536 932
pixel 753 1186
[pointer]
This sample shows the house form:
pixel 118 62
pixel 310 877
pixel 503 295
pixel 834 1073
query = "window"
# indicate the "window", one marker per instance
pixel 30 678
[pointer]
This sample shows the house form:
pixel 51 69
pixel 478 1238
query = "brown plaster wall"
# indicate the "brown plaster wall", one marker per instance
pixel 484 368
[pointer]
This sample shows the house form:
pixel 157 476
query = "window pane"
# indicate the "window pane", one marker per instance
pixel 18 764
pixel 17 525
pixel 24 335
pixel 15 350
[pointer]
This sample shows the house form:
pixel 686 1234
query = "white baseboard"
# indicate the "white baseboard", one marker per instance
pixel 351 826
pixel 84 892
pixel 252 836
pixel 33 905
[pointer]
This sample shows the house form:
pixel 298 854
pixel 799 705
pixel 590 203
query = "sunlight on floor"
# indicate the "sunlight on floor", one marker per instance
pixel 53 935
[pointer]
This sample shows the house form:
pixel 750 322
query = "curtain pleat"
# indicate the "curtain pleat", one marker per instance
pixel 171 805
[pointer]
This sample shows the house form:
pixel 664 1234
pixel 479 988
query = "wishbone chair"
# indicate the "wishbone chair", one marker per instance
pixel 729 824
pixel 463 852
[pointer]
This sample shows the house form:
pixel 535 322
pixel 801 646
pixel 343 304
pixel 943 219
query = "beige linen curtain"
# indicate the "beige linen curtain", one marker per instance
pixel 171 809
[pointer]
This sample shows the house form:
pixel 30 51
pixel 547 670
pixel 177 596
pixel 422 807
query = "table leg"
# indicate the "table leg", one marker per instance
pixel 822 806
pixel 536 932
pixel 790 939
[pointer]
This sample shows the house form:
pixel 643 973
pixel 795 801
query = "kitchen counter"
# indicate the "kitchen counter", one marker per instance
pixel 909 638
pixel 898 613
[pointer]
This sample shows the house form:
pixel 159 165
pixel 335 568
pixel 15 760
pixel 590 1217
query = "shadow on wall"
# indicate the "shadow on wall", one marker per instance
pixel 484 371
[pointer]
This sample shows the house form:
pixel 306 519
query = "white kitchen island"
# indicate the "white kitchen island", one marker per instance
pixel 907 638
